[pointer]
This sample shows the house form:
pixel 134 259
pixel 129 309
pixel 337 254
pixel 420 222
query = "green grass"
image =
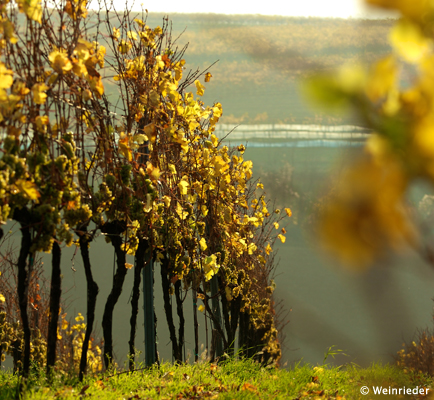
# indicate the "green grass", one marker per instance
pixel 230 380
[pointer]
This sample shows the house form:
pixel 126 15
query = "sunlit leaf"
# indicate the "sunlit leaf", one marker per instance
pixel 28 188
pixel 203 245
pixel 183 187
pixel 200 88
pixel 60 61
pixel 268 249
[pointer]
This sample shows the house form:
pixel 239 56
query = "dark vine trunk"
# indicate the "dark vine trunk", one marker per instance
pixel 227 321
pixel 216 323
pixel 114 229
pixel 55 293
pixel 92 293
pixel 196 325
pixel 180 312
pixel 176 353
pixel 139 265
pixel 23 217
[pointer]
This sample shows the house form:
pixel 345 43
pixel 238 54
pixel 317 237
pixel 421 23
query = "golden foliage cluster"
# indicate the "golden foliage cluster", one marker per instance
pixel 147 163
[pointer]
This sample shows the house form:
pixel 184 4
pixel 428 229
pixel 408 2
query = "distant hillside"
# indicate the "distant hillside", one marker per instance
pixel 262 58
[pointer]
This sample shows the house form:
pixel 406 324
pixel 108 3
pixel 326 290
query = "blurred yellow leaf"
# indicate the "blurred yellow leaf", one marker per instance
pixel 132 35
pixel 153 172
pixel 32 8
pixel 382 78
pixel 38 90
pixel 128 265
pixel 409 40
pixel 288 212
pixel 124 147
pixel 6 77
pixel 28 188
pixel 366 215
pixel 208 77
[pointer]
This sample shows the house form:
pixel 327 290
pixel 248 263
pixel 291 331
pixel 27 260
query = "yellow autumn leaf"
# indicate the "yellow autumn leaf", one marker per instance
pixel 276 225
pixel 32 8
pixel 282 238
pixel 150 132
pixel 154 98
pixel 96 85
pixel 149 203
pixel 6 77
pixel 38 90
pixel 116 33
pixel 2 298
pixel 208 77
pixel 124 146
pixel 200 88
pixel 132 35
pixel 251 248
pixel 288 212
pixel 210 266
pixel 268 249
pixel 183 187
pixel 181 212
pixel 64 324
pixel 29 189
pixel 203 245
pixel 153 172
pixel 60 61
pixel 124 46
pixel 79 317
pixel 166 200
pixel 201 308
pixel 140 138
pixel 128 265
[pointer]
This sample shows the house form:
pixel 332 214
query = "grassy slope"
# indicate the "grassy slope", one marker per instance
pixel 231 380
